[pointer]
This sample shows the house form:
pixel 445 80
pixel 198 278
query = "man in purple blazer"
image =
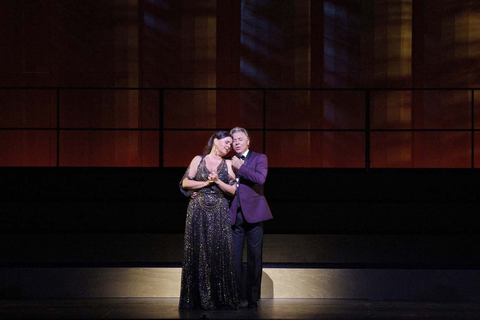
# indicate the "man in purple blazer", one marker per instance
pixel 248 210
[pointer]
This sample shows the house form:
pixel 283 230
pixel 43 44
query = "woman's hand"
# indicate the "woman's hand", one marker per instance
pixel 228 189
pixel 213 177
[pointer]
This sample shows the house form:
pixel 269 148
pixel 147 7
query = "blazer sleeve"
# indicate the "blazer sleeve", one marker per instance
pixel 257 174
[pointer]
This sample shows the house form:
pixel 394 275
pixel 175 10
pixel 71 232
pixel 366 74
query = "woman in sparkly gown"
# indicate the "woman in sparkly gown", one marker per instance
pixel 208 278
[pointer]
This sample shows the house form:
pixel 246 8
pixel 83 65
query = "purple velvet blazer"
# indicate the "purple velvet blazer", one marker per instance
pixel 253 174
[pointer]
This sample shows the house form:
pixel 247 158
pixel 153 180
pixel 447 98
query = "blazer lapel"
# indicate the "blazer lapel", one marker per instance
pixel 249 154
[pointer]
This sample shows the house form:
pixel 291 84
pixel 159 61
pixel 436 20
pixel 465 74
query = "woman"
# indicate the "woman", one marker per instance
pixel 208 278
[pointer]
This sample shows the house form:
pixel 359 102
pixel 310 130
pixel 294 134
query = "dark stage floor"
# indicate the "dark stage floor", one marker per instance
pixel 161 308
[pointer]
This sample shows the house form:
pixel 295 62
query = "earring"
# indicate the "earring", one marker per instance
pixel 215 150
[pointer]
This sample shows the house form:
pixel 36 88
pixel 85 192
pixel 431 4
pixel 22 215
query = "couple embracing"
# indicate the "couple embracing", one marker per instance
pixel 227 207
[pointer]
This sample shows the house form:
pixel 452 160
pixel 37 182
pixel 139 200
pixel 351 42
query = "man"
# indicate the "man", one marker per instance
pixel 247 212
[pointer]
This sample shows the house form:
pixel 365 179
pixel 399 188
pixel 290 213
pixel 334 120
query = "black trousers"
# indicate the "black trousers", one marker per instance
pixel 253 233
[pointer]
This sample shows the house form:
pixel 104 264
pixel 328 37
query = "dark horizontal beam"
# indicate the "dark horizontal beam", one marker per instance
pixel 239 89
pixel 227 129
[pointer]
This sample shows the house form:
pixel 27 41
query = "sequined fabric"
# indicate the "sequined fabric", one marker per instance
pixel 208 278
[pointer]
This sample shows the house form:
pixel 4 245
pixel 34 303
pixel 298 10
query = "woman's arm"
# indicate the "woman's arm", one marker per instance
pixel 187 183
pixel 231 173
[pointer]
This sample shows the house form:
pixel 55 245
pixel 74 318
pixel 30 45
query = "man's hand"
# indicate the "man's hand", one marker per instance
pixel 237 162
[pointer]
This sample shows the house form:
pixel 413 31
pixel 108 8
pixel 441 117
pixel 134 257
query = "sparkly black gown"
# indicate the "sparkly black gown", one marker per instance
pixel 208 277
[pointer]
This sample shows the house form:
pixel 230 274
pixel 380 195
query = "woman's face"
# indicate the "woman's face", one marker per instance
pixel 223 146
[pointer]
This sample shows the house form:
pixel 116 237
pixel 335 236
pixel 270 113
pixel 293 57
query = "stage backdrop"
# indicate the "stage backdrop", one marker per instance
pixel 161 46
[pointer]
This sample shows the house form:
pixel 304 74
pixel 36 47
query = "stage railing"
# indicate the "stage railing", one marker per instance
pixel 161 128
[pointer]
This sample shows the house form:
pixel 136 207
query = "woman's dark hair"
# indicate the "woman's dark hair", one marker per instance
pixel 219 135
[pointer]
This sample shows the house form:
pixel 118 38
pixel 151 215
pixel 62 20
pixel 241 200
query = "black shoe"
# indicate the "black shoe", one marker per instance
pixel 243 303
pixel 252 305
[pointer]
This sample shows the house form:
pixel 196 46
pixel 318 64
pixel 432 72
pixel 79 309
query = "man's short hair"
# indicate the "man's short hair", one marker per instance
pixel 238 129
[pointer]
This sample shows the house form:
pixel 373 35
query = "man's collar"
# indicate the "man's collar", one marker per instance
pixel 245 153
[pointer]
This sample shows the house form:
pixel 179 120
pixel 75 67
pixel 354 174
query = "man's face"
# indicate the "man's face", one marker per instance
pixel 240 142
